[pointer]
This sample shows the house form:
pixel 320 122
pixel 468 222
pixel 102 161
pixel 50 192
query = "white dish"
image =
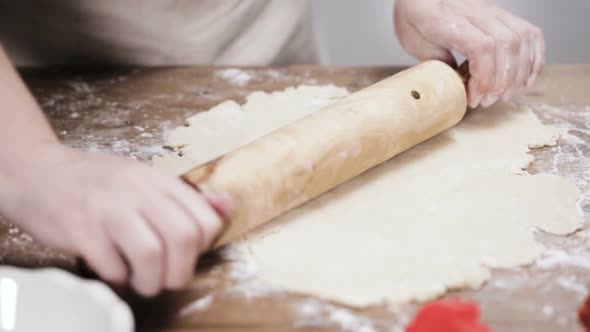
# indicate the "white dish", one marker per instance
pixel 55 300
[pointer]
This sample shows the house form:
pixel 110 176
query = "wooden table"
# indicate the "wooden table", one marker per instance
pixel 127 112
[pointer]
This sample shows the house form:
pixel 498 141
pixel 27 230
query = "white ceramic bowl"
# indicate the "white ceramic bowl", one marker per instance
pixel 55 300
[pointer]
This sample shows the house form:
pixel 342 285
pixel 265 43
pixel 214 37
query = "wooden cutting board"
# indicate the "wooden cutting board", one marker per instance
pixel 127 112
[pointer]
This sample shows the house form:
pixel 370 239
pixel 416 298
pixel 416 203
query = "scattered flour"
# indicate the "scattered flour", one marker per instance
pixel 571 159
pixel 121 147
pixel 242 276
pixel 557 257
pixel 573 284
pixel 235 76
pixel 548 310
pixel 511 282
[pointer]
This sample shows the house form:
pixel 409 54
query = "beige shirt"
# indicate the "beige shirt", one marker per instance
pixel 157 32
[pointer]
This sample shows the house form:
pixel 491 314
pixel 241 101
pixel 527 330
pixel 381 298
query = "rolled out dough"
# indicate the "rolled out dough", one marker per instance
pixel 434 218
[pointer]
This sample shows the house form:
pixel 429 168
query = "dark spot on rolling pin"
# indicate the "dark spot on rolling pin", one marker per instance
pixel 415 94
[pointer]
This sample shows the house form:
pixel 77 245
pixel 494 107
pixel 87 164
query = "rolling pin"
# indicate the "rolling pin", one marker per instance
pixel 308 157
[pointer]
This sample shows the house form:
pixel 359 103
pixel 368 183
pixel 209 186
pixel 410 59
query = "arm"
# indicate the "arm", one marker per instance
pixel 131 223
pixel 505 52
pixel 22 125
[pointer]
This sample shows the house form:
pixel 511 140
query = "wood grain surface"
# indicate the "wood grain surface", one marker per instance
pixel 128 111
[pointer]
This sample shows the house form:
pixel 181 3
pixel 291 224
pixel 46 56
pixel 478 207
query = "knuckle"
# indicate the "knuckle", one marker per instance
pixel 151 253
pixel 529 34
pixel 480 80
pixel 485 85
pixel 484 45
pixel 186 238
pixel 499 88
pixel 538 69
pixel 514 42
pixel 511 43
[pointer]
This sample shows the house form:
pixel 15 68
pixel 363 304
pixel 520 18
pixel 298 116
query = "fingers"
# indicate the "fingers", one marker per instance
pixel 143 250
pixel 538 41
pixel 162 240
pixel 482 66
pixel 477 47
pixel 524 70
pixel 187 223
pixel 180 236
pixel 103 258
pixel 506 54
pixel 532 50
pixel 525 56
pixel 518 56
pixel 133 225
pixel 197 207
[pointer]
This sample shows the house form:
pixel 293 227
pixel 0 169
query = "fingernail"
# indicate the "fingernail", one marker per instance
pixel 475 101
pixel 488 100
pixel 222 203
pixel 471 101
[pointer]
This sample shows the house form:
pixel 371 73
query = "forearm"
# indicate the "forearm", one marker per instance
pixel 23 127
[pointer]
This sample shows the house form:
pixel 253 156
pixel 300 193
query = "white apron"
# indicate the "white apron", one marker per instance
pixel 157 32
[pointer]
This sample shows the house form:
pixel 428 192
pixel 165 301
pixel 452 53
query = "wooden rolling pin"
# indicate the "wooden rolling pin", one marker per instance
pixel 306 158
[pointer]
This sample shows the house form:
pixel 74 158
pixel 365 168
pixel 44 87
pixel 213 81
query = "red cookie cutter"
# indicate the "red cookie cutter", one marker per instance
pixel 448 316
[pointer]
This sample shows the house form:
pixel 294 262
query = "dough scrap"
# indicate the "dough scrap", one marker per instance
pixel 434 218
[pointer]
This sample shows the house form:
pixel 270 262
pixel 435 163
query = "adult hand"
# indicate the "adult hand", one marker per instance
pixel 132 224
pixel 505 52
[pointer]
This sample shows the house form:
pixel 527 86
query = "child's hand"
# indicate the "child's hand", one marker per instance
pixel 131 223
